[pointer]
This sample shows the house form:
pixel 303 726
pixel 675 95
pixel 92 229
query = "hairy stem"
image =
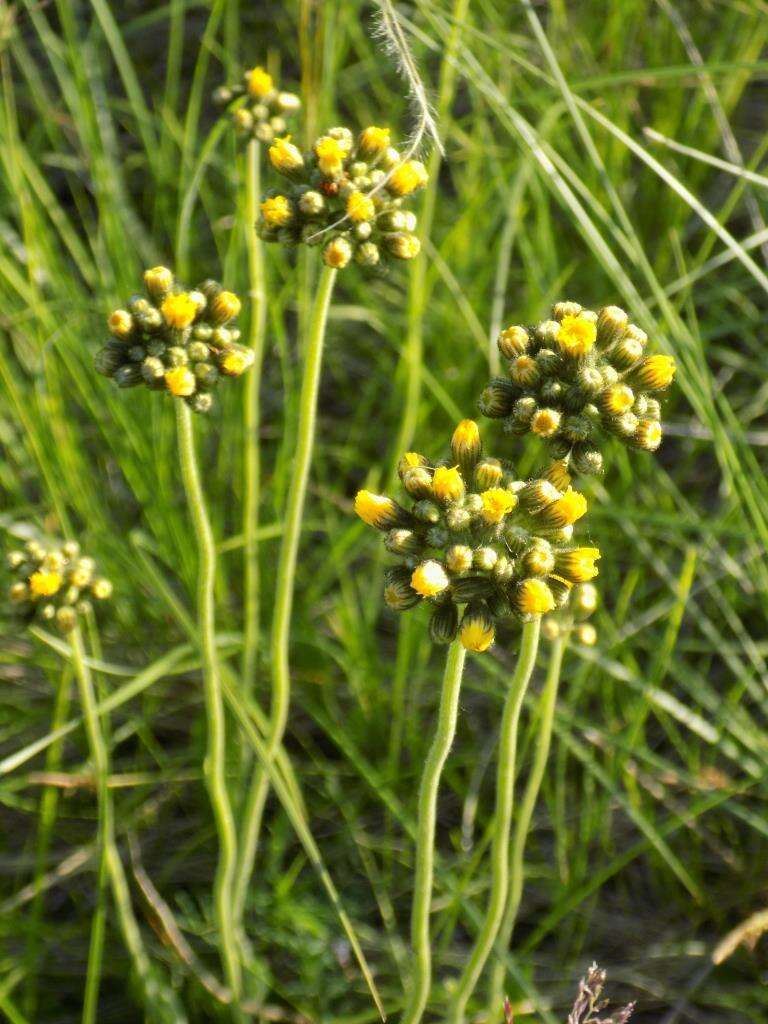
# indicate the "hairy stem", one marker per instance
pixel 421 979
pixel 214 765
pixel 546 716
pixel 286 577
pixel 505 794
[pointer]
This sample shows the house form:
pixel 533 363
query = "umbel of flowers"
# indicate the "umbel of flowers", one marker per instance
pixel 266 108
pixel 347 194
pixel 576 375
pixel 175 339
pixel 54 583
pixel 477 544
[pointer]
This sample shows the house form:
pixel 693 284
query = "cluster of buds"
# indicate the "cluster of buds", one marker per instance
pixel 176 340
pixel 477 539
pixel 264 113
pixel 572 620
pixel 346 194
pixel 578 373
pixel 55 584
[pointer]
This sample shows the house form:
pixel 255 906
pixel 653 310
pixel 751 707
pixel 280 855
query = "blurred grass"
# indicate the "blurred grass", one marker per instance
pixel 649 840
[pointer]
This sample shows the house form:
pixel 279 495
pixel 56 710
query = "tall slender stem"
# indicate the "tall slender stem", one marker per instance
pixel 286 579
pixel 546 714
pixel 425 836
pixel 214 765
pixel 251 419
pixel 154 993
pixel 505 791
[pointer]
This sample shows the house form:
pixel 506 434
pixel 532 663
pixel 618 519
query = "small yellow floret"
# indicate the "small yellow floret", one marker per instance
pixel 179 310
pixel 360 207
pixel 497 503
pixel 284 156
pixel 534 598
pixel 158 280
pixel 408 177
pixel 524 371
pixel 337 253
pixel 331 154
pixel 567 509
pixel 429 579
pixel 477 634
pixel 576 335
pixel 120 323
pixel 466 436
pixel 545 422
pixel 44 584
pixel 101 589
pixel 225 307
pixel 447 484
pixel 260 83
pixel 617 399
pixel 578 565
pixel 557 474
pixel 373 141
pixel 648 435
pixel 236 361
pixel 276 212
pixel 374 509
pixel 656 372
pixel 180 381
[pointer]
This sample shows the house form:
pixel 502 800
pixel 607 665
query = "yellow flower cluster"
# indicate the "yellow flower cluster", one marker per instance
pixel 479 545
pixel 345 194
pixel 260 109
pixel 175 339
pixel 54 583
pixel 576 374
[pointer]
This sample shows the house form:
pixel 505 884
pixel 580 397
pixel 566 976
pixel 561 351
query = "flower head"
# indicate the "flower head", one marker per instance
pixel 54 583
pixel 180 341
pixel 575 375
pixel 504 551
pixel 258 107
pixel 346 194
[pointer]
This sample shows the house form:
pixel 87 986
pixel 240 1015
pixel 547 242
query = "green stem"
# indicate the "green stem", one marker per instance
pixel 154 995
pixel 251 418
pixel 546 714
pixel 505 794
pixel 425 835
pixel 214 765
pixel 286 578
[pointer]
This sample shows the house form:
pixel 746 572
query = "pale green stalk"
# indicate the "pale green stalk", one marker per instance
pixel 542 744
pixel 214 764
pixel 155 996
pixel 251 418
pixel 421 948
pixel 256 795
pixel 505 795
pixel 286 577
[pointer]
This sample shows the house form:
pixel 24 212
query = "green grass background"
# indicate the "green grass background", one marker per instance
pixel 650 840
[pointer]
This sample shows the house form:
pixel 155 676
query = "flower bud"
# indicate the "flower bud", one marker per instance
pixel 407 178
pixel 586 634
pixel 458 519
pixel 243 121
pixel 360 207
pixel 120 324
pixel 484 559
pixel 561 310
pixel 158 282
pixel 576 335
pixel 616 400
pixel 470 588
pixel 447 484
pixel 417 481
pixel 537 495
pixel 127 376
pixel 533 597
pixel 380 511
pixel 108 359
pixel 577 564
pixel 402 245
pixel 497 503
pixel 398 593
pixel 488 473
pixel 444 623
pixel 373 142
pixel 539 559
pixel 259 83
pixel 550 628
pixel 286 158
pixel 587 460
pixel 498 398
pixel 179 310
pixel 524 372
pixel 426 512
pixel 626 353
pixel 200 402
pixel 236 360
pixel 654 373
pixel 466 447
pixel 101 588
pixel 612 324
pixel 180 381
pixel 477 631
pixel 311 204
pixel 557 474
pixel 566 510
pixel 429 579
pixel 545 422
pixel 513 342
pixel 367 254
pixel 403 542
pixel 458 559
pixel 584 598
pixel 276 212
pixel 66 619
pixel 647 435
pixel 337 253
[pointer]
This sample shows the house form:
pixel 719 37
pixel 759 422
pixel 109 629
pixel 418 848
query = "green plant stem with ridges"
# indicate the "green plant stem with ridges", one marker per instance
pixel 505 795
pixel 542 744
pixel 256 795
pixel 421 948
pixel 286 571
pixel 214 764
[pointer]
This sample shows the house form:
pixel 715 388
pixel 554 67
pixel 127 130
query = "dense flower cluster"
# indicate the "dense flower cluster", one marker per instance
pixel 578 373
pixel 475 536
pixel 346 194
pixel 265 110
pixel 177 340
pixel 55 583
